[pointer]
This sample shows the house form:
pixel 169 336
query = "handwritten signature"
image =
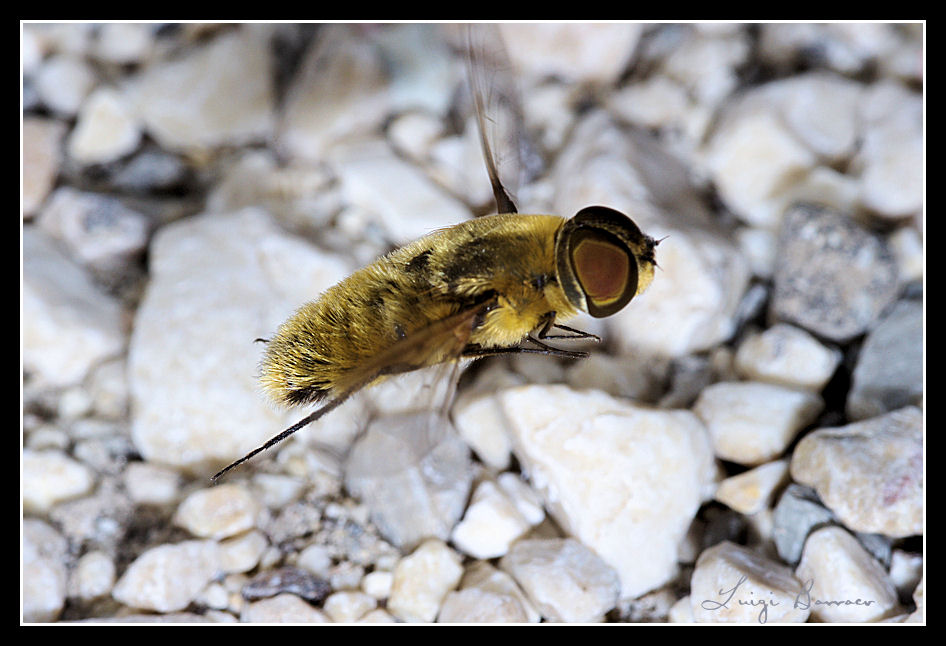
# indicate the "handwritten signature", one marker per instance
pixel 802 601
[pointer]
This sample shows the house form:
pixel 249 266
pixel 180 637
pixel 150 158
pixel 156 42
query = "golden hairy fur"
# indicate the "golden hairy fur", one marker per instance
pixel 323 347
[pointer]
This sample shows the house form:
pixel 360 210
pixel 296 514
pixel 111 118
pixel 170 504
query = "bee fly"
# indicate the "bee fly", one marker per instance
pixel 493 285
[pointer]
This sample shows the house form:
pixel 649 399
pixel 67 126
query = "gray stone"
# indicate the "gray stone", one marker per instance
pixel 832 277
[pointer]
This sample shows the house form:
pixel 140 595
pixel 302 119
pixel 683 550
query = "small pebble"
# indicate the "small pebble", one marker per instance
pixel 218 512
pixel 869 473
pixel 168 577
pixel 490 525
pixel 842 582
pixel 789 356
pixel 750 492
pixel 50 477
pixel 348 606
pixel 732 583
pixel 564 579
pixel 753 422
pixel 832 276
pixel 93 576
pixel 422 580
pixel 281 609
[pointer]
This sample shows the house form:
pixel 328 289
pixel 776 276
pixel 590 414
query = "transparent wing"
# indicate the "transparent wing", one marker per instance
pixel 498 108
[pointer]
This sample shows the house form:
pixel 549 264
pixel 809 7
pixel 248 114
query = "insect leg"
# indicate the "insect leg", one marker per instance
pixel 548 322
pixel 476 352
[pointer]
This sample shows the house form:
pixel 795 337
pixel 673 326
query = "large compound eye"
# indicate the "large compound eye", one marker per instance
pixel 596 261
pixel 605 269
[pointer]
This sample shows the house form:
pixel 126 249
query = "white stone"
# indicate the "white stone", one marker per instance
pixel 595 53
pixel 422 580
pixel 753 422
pixel 281 609
pixel 276 491
pixel 564 579
pixel 217 282
pixel 124 43
pixel 242 553
pixel 753 156
pixel 497 583
pixel 219 94
pixel 890 158
pixel 623 479
pixel 341 72
pixel 789 356
pixel 93 576
pixel 473 605
pixel 44 572
pixel 68 324
pixel 49 477
pixel 106 128
pixel 906 570
pixel 907 247
pixel 843 582
pixel 654 102
pixel 168 577
pixel 377 616
pixel 63 82
pixel 402 198
pixel 151 484
pixel 316 559
pixel 751 492
pixel 378 584
pixel 41 159
pixel 525 499
pixel 706 66
pixel 218 512
pixel 869 473
pixel 348 606
pixel 732 583
pixel 490 525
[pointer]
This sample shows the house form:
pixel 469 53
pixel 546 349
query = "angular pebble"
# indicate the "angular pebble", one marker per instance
pixel 50 477
pixel 889 370
pixel 750 492
pixel 490 524
pixel 869 473
pixel 218 512
pixel 623 479
pixel 41 158
pixel 422 580
pixel 413 475
pixel 842 582
pixel 235 104
pixel 242 553
pixel 594 53
pixel 473 605
pixel 798 512
pixel 44 572
pixel 217 282
pixel 282 609
pixel 93 576
pixel 98 230
pixel 62 83
pixel 106 129
pixel 151 484
pixel 348 606
pixel 564 579
pixel 832 277
pixel 732 583
pixel 402 198
pixel 753 422
pixel 789 356
pixel 168 577
pixel 68 324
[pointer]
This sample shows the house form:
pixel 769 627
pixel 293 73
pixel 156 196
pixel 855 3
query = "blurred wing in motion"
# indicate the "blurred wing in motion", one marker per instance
pixel 498 108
